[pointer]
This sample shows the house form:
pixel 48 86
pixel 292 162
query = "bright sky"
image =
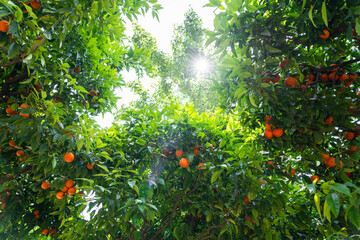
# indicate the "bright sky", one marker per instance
pixel 171 15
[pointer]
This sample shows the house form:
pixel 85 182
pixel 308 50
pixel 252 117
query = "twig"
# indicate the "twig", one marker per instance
pixel 6 85
pixel 322 69
pixel 207 232
pixel 13 177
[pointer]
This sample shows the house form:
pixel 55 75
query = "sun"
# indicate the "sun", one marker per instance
pixel 202 65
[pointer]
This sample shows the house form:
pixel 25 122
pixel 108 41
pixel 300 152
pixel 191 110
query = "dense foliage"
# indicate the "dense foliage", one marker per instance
pixel 278 160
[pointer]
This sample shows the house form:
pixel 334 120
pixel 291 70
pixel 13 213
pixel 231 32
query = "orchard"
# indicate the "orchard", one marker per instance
pixel 266 146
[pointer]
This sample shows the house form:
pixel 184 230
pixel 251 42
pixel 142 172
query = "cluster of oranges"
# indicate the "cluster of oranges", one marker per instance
pixel 3 201
pixel 330 161
pixel 46 231
pixel 68 189
pixel 269 133
pixel 12 112
pixel 184 163
pixel 34 4
pixel 20 153
pixel 36 214
pixel 269 77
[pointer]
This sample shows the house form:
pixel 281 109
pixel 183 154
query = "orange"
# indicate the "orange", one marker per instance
pixel 25 115
pixel 45 185
pixel 268 134
pixel 311 77
pixel 324 77
pixel 69 157
pixel 60 195
pixel 314 178
pixel 290 81
pixel 349 135
pixel 4 26
pixel 90 166
pixel 292 172
pixel 184 163
pixel 52 231
pixel 37 216
pixel 196 152
pixel 267 118
pixel 333 76
pixel 246 200
pixel 329 120
pixel 23 158
pixel 278 132
pixel 333 69
pixel 343 77
pixel 271 163
pixel 36 212
pixel 326 35
pixel 72 191
pixel 326 157
pixel 69 183
pixel 348 84
pixel 200 164
pixel 20 153
pixel 178 153
pixel 45 231
pixel 35 4
pixel 12 143
pixel 352 148
pixel 341 164
pixel 65 189
pixel 22 106
pixel 330 162
pixel 353 76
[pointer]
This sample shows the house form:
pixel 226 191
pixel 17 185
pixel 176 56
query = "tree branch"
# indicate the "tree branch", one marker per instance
pixel 5 88
pixel 322 69
pixel 207 232
pixel 13 177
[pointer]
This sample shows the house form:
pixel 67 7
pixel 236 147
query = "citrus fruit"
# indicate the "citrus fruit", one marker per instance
pixel 12 143
pixel 314 178
pixel 329 120
pixel 246 200
pixel 19 153
pixel 4 26
pixel 200 164
pixel 45 185
pixel 349 135
pixel 60 195
pixel 72 191
pixel 184 163
pixel 290 81
pixel 278 132
pixel 69 183
pixel 69 157
pixel 325 36
pixel 178 153
pixel 268 134
pixel 45 231
pixel 90 166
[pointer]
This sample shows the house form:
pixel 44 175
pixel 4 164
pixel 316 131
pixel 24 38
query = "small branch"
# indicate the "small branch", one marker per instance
pixel 158 220
pixel 13 177
pixel 5 88
pixel 322 69
pixel 22 56
pixel 207 232
pixel 132 230
pixel 142 230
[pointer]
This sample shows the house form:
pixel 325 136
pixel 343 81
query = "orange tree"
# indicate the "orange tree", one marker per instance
pixel 60 62
pixel 293 67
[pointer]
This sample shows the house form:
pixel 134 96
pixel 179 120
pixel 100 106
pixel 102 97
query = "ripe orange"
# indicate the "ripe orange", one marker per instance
pixel 200 164
pixel 12 143
pixel 69 183
pixel 25 115
pixel 60 195
pixel 267 118
pixel 196 152
pixel 45 231
pixel 278 132
pixel 178 153
pixel 246 200
pixel 268 134
pixel 292 172
pixel 184 163
pixel 324 77
pixel 20 153
pixel 271 163
pixel 329 120
pixel 65 189
pixel 22 106
pixel 353 76
pixel 343 77
pixel 326 157
pixel 4 26
pixel 314 178
pixel 69 157
pixel 352 148
pixel 290 81
pixel 23 158
pixel 333 76
pixel 72 191
pixel 326 35
pixel 330 162
pixel 35 4
pixel 311 77
pixel 11 112
pixel 45 185
pixel 37 216
pixel 52 231
pixel 36 212
pixel 90 166
pixel 349 135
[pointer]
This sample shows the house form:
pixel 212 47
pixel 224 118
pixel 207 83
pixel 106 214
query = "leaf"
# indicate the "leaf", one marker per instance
pixel 132 183
pixel 353 214
pixel 334 203
pixel 317 203
pixel 79 144
pixel 215 176
pixel 14 50
pixel 341 188
pixel 327 213
pixel 54 163
pixel 271 49
pixel 324 13
pixel 357 25
pixel 4 13
pixel 311 15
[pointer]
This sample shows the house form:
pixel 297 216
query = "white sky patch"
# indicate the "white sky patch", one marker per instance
pixel 201 65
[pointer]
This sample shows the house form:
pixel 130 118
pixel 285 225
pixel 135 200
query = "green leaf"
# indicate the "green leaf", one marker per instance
pixel 311 15
pixel 79 144
pixel 14 50
pixel 4 13
pixel 54 163
pixel 327 213
pixel 341 188
pixel 132 183
pixel 215 176
pixel 353 214
pixel 324 13
pixel 357 26
pixel 317 203
pixel 334 203
pixel 271 49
